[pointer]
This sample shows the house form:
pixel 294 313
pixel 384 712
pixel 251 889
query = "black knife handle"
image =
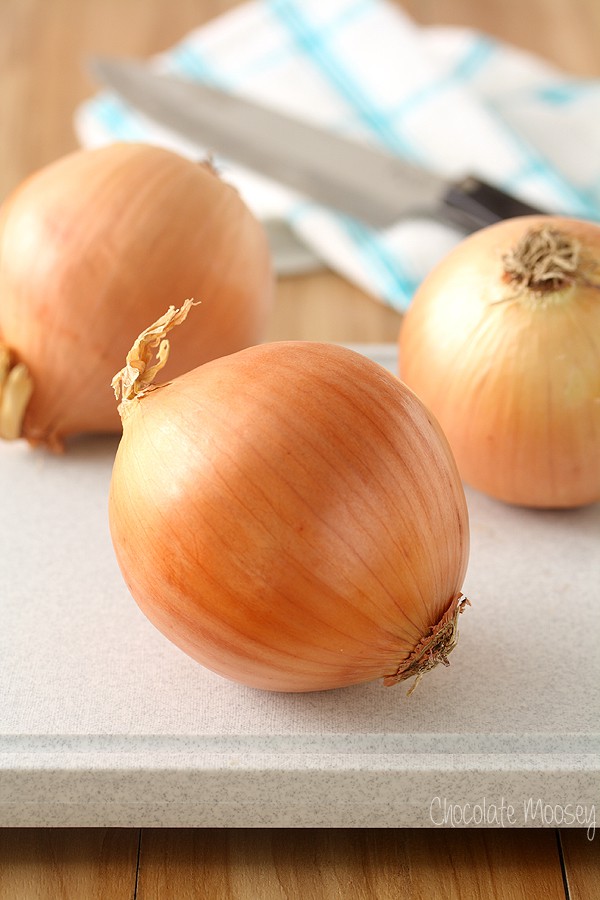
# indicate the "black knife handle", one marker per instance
pixel 472 204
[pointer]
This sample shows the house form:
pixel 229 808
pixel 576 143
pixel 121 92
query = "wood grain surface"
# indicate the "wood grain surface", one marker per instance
pixel 43 47
pixel 383 864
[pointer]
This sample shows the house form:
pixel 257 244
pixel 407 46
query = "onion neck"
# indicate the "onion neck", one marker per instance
pixel 434 648
pixel 543 265
pixel 137 376
pixel 16 388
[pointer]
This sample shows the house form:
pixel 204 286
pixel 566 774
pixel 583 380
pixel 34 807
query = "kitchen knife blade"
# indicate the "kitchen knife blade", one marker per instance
pixel 369 184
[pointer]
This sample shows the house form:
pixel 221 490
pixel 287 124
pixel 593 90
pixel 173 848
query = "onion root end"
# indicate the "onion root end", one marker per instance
pixel 546 264
pixel 433 649
pixel 16 388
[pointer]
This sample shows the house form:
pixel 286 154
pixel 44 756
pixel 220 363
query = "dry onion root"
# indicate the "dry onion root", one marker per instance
pixel 290 516
pixel 89 247
pixel 16 388
pixel 502 343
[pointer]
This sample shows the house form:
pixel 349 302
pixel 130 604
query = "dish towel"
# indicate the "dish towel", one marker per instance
pixel 450 99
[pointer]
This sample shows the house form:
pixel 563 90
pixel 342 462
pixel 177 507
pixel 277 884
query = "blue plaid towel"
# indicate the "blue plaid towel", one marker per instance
pixel 450 99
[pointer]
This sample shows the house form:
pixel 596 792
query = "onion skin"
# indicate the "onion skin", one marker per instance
pixel 290 516
pixel 92 247
pixel 512 371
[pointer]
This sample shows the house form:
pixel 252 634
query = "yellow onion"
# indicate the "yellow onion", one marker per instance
pixel 502 343
pixel 89 247
pixel 290 516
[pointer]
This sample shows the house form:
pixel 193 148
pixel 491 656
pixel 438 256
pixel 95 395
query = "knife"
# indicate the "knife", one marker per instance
pixel 369 184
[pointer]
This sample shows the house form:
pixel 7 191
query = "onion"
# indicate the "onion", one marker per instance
pixel 502 343
pixel 90 246
pixel 290 515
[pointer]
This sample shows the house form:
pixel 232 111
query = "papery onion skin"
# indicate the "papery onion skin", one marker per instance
pixel 290 516
pixel 90 246
pixel 511 371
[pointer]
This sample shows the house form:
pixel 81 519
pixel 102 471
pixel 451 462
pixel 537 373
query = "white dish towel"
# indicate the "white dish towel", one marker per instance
pixel 451 99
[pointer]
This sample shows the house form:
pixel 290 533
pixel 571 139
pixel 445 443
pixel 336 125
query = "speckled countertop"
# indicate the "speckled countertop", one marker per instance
pixel 103 722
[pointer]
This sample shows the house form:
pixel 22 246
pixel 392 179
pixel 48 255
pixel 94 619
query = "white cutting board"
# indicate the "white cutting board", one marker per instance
pixel 105 723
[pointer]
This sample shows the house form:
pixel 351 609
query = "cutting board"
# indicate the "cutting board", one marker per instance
pixel 104 723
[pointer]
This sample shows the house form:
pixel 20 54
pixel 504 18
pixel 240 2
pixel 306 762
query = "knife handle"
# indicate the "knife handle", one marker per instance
pixel 473 204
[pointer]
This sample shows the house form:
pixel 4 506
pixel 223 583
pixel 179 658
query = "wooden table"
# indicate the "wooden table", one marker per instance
pixel 42 46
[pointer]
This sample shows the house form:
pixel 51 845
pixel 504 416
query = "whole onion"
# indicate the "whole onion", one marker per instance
pixel 502 343
pixel 90 246
pixel 290 515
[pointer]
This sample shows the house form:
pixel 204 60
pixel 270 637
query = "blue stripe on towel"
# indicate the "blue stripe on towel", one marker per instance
pixel 561 94
pixel 313 43
pixel 189 62
pixel 477 56
pixel 575 202
pixel 394 285
pixel 116 118
pixel 480 51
